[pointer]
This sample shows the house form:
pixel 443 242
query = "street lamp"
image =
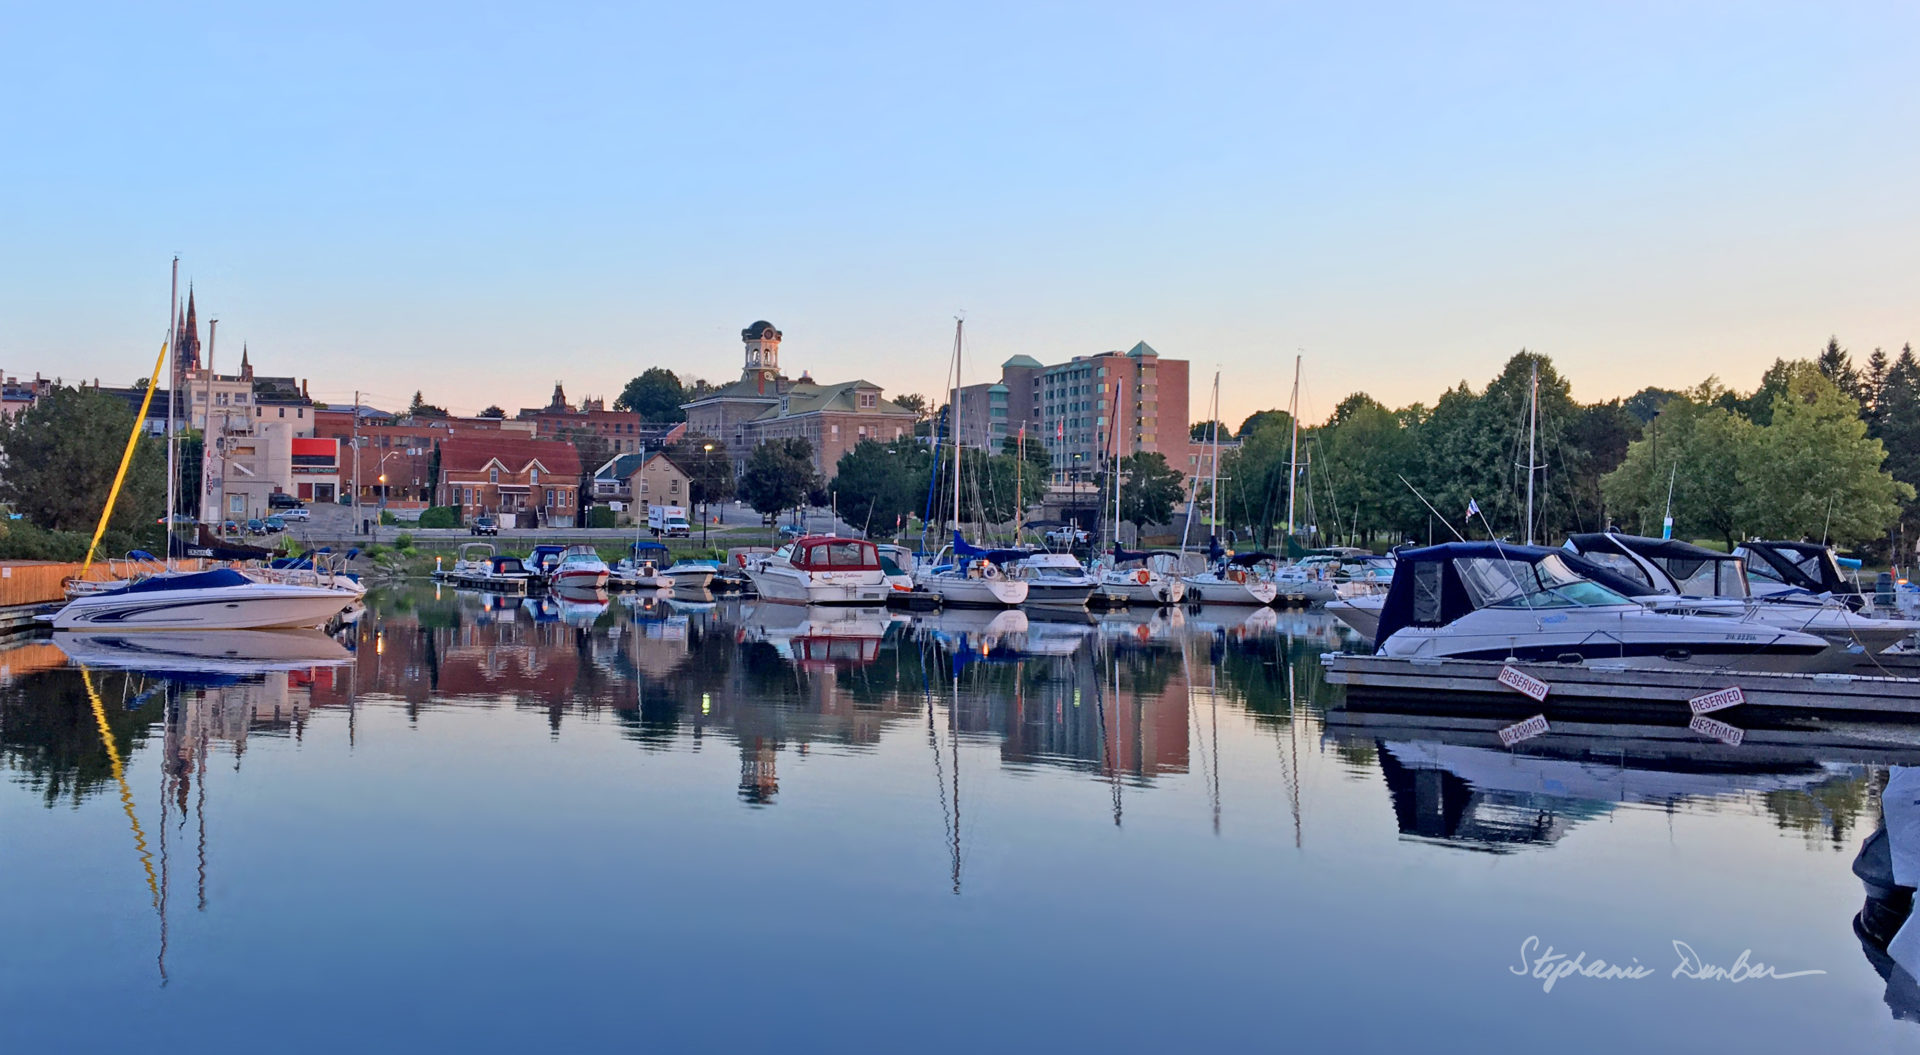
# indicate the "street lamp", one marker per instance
pixel 706 493
pixel 381 468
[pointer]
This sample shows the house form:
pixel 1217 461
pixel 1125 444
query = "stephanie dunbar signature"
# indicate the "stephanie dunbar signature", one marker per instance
pixel 1550 967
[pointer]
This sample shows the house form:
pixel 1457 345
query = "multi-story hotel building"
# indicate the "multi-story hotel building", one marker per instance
pixel 1072 408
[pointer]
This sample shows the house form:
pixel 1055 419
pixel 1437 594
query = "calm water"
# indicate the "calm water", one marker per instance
pixel 711 827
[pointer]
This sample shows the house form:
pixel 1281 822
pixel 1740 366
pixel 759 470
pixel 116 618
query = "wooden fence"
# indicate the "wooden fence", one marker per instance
pixel 41 581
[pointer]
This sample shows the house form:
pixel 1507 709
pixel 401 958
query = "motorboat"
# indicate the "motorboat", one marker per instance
pixel 220 599
pixel 977 581
pixel 1314 579
pixel 1054 579
pixel 1790 569
pixel 1362 613
pixel 471 558
pixel 1146 578
pixel 689 574
pixel 543 559
pixel 898 562
pixel 1497 601
pixel 640 568
pixel 822 569
pixel 1672 576
pixel 1232 579
pixel 580 567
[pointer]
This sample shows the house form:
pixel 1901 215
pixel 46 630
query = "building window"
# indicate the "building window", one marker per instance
pixel 869 400
pixel 493 475
pixel 283 412
pixel 534 477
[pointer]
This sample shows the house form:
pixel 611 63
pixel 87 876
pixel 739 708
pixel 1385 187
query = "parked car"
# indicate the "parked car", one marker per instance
pixel 276 524
pixel 231 527
pixel 791 531
pixel 180 520
pixel 1068 535
pixel 484 525
pixel 256 526
pixel 281 500
pixel 297 513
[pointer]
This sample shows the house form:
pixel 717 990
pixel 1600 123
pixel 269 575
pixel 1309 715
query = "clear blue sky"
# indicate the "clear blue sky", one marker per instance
pixel 479 200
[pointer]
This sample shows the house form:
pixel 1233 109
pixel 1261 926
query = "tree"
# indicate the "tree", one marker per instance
pixel 1357 460
pixel 778 476
pixel 1897 421
pixel 878 485
pixel 433 473
pixel 708 466
pixel 1263 419
pixel 420 408
pixel 61 455
pixel 1697 450
pixel 915 402
pixel 1834 362
pixel 1039 459
pixel 1203 431
pixel 1816 473
pixel 1644 404
pixel 1149 489
pixel 655 395
pixel 493 411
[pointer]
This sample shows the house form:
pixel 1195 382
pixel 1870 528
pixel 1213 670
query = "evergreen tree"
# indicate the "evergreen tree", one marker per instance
pixel 1837 366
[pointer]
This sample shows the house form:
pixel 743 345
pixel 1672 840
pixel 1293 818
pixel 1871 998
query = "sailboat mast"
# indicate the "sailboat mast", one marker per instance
pixel 953 426
pixel 1213 485
pixel 1293 458
pixel 1533 428
pixel 1117 383
pixel 173 383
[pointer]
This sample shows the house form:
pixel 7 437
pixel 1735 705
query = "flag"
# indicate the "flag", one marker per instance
pixel 1472 508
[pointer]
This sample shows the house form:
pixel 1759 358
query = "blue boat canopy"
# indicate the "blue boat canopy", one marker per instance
pixel 963 550
pixel 199 580
pixel 647 545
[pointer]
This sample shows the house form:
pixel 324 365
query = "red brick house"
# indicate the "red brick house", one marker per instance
pixel 526 482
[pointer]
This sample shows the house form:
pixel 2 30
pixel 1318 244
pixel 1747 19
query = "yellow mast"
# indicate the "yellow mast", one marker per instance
pixel 126 459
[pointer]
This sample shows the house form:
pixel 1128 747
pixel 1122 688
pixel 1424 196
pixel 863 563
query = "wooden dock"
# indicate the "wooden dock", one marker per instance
pixel 1659 695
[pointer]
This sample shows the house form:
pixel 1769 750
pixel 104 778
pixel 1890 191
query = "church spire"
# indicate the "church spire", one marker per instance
pixel 246 367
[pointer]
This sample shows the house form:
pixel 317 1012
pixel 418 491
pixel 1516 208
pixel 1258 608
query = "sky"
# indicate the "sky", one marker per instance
pixel 478 200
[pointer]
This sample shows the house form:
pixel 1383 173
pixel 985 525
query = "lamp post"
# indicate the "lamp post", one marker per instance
pixel 706 493
pixel 381 468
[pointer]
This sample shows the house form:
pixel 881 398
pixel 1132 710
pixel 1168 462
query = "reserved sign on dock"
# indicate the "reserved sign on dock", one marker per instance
pixel 1523 684
pixel 1717 701
pixel 1526 730
pixel 1717 729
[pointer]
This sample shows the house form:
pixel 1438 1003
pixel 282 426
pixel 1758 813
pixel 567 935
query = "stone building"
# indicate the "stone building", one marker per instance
pixel 764 405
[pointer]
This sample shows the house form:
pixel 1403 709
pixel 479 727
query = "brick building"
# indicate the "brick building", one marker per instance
pixel 1069 407
pixel 623 430
pixel 765 405
pixel 526 482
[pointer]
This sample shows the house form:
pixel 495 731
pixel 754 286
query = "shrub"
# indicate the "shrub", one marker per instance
pixel 599 517
pixel 441 517
pixel 387 519
pixel 403 540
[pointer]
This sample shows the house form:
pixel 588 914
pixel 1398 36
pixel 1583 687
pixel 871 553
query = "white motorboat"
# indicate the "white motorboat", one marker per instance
pixel 641 568
pixel 1798 569
pixel 1678 577
pixel 1054 579
pixel 579 568
pixel 1494 601
pixel 471 558
pixel 1233 580
pixel 1362 613
pixel 822 569
pixel 1142 578
pixel 689 574
pixel 221 599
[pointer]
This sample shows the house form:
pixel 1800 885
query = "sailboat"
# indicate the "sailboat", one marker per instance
pixel 1147 578
pixel 963 581
pixel 221 599
pixel 1235 581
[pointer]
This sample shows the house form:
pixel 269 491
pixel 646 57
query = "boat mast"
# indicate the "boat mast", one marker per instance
pixel 953 425
pixel 1293 459
pixel 173 383
pixel 1213 485
pixel 1533 427
pixel 1117 383
pixel 206 422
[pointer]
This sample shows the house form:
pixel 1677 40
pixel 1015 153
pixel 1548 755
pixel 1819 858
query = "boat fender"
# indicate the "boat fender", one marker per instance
pixel 1678 655
pixel 1568 657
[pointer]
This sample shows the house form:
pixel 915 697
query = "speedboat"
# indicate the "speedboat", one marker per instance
pixel 1672 576
pixel 1362 612
pixel 1142 578
pixel 1315 578
pixel 1233 579
pixel 221 599
pixel 822 569
pixel 580 567
pixel 1057 579
pixel 640 568
pixel 471 559
pixel 1798 569
pixel 690 574
pixel 962 581
pixel 543 559
pixel 1496 601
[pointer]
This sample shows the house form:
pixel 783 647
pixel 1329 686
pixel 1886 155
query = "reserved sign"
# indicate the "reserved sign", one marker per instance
pixel 1717 701
pixel 1717 729
pixel 1523 684
pixel 1526 730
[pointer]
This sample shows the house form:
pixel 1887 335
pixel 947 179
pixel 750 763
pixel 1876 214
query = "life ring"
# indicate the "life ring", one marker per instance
pixel 1143 576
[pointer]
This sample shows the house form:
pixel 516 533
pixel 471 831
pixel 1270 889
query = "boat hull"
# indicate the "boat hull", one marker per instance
pixel 957 591
pixel 256 606
pixel 1226 591
pixel 1157 590
pixel 790 586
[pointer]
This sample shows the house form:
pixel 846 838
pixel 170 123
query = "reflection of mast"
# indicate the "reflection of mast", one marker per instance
pixel 1108 754
pixel 200 817
pixel 166 779
pixel 1292 768
pixel 947 819
pixel 120 777
pixel 953 738
pixel 1209 773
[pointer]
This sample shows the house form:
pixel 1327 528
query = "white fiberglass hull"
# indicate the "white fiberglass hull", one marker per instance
pixel 1211 589
pixel 1616 635
pixel 688 578
pixel 1157 590
pixel 960 591
pixel 581 578
pixel 204 651
pixel 253 606
pixel 1361 613
pixel 1059 595
pixel 787 585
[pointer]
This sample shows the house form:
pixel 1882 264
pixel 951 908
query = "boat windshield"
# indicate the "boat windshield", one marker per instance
pixel 1547 583
pixel 1706 577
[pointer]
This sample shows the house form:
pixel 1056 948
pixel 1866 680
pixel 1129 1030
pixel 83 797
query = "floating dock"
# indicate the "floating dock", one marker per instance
pixel 1600 689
